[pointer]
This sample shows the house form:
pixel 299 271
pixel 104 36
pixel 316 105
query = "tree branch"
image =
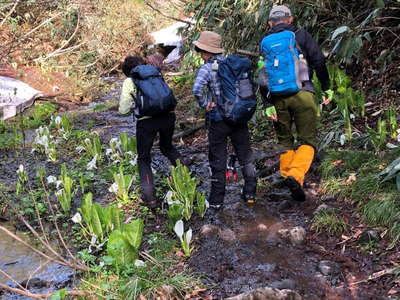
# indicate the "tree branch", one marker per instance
pixel 166 16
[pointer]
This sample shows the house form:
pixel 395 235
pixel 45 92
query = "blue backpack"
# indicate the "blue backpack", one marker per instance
pixel 237 102
pixel 281 62
pixel 154 96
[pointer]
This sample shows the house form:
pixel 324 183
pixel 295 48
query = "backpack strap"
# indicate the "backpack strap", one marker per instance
pixel 214 77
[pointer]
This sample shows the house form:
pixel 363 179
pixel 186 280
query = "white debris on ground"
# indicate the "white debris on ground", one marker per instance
pixel 169 37
pixel 15 96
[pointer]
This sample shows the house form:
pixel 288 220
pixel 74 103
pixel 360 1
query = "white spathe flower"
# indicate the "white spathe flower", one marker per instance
pixel 58 183
pixel 113 188
pixel 342 139
pixel 168 197
pixel 178 228
pixel 20 169
pixel 42 140
pixel 93 240
pixel 77 218
pixel 88 141
pixel 109 151
pixel 207 204
pixel 92 164
pixel 133 162
pixel 140 263
pixel 114 142
pixel 130 153
pixel 188 236
pixel 57 120
pixel 80 149
pixel 51 179
pixel 33 150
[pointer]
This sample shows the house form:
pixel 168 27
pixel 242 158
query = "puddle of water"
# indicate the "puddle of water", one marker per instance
pixel 21 264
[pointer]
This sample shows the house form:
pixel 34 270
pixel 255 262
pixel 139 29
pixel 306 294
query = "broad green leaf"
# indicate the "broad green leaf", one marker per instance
pixel 134 232
pixel 96 221
pixel 398 181
pixel 86 208
pixel 120 249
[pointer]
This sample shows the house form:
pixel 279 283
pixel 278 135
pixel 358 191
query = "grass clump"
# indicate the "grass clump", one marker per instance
pixel 354 177
pixel 329 222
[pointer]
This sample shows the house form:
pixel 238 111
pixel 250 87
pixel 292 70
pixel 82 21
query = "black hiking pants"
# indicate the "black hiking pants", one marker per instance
pixel 218 134
pixel 146 132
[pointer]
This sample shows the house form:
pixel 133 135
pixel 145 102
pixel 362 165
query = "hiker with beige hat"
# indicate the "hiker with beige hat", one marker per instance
pixel 207 90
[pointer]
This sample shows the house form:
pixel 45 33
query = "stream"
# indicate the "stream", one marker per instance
pixel 27 268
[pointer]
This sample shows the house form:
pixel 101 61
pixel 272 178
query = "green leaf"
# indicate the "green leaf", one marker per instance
pixel 96 220
pixel 133 232
pixel 120 249
pixel 59 295
pixel 86 208
pixel 398 181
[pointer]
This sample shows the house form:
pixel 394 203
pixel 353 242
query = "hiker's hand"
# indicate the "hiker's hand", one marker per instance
pixel 210 106
pixel 327 98
pixel 271 114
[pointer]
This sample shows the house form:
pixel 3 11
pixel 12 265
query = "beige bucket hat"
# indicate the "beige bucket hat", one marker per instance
pixel 280 11
pixel 209 41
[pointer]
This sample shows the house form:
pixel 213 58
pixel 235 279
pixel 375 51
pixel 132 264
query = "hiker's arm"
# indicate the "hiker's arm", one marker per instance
pixel 126 99
pixel 200 86
pixel 315 58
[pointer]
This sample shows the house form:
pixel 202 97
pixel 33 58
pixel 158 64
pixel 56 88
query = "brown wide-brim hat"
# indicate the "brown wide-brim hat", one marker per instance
pixel 209 41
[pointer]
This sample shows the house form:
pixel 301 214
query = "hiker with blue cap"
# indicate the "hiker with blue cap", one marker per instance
pixel 291 56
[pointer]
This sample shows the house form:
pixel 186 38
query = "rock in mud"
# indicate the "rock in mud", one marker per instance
pixel 323 208
pixel 285 284
pixel 280 196
pixel 329 268
pixel 227 235
pixel 330 198
pixel 209 230
pixel 267 294
pixel 295 235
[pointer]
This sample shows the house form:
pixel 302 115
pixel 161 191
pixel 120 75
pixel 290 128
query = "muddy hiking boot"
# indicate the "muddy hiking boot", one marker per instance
pixel 148 196
pixel 249 198
pixel 250 184
pixel 295 189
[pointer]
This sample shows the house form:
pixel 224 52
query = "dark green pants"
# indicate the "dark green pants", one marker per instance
pixel 301 110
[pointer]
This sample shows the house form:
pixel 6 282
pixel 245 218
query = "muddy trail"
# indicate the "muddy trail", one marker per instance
pixel 239 248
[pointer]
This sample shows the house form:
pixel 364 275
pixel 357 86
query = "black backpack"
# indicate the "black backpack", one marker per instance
pixel 154 96
pixel 238 101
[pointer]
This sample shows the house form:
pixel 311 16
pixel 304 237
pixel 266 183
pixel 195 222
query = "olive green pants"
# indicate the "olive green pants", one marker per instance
pixel 301 110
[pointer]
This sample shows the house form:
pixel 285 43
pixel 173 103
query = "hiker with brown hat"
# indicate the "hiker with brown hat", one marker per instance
pixel 207 90
pixel 291 57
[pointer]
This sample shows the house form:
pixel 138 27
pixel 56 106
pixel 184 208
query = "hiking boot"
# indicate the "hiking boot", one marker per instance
pixel 275 179
pixel 249 198
pixel 295 189
pixel 148 196
pixel 215 206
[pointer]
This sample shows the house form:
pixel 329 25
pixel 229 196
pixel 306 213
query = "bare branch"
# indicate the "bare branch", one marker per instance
pixel 166 16
pixel 9 13
pixel 25 293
